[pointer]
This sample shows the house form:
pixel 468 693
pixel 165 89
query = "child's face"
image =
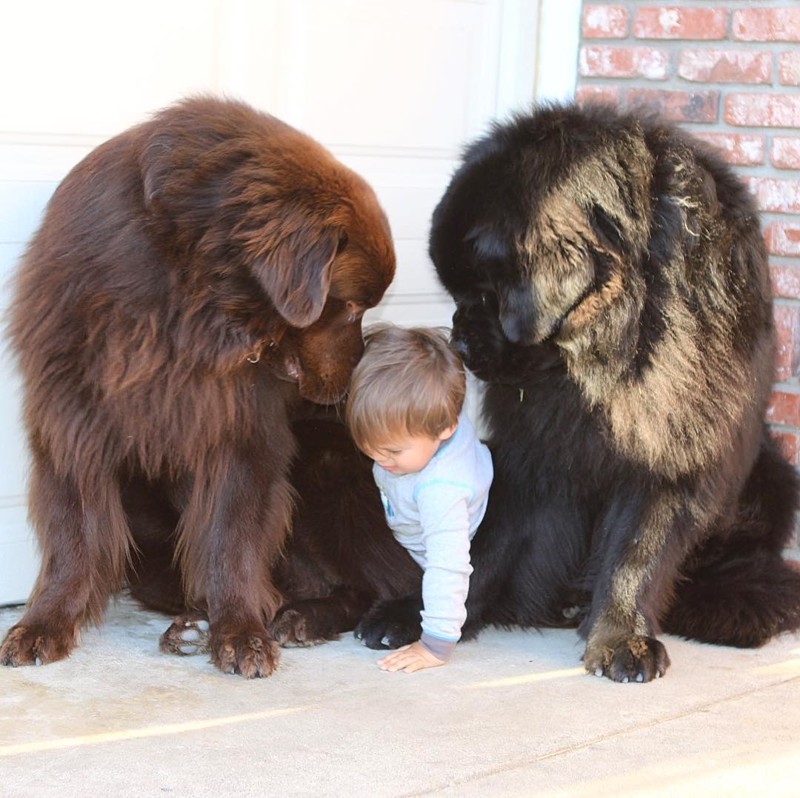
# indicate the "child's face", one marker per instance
pixel 409 453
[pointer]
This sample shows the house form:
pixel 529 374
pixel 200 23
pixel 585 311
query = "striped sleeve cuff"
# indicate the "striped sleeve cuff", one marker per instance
pixel 441 649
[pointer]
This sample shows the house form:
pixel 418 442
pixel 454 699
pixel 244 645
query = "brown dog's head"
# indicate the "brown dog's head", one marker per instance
pixel 290 243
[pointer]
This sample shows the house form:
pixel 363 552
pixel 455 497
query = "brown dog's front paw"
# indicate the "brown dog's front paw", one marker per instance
pixel 35 645
pixel 188 634
pixel 635 659
pixel 251 653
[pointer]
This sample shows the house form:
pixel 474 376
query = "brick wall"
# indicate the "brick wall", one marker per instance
pixel 730 73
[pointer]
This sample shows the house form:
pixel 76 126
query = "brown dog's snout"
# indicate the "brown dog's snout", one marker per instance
pixel 324 370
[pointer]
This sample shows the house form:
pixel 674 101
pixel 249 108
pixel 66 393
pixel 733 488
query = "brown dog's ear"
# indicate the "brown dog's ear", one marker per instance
pixel 290 249
pixel 296 273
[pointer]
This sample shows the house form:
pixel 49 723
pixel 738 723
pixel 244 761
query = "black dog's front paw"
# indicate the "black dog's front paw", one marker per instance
pixel 293 627
pixel 391 624
pixel 635 659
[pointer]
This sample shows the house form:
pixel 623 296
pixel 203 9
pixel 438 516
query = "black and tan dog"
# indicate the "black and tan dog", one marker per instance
pixel 612 290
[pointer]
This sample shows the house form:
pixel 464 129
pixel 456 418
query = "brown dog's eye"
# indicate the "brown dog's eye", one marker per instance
pixel 354 310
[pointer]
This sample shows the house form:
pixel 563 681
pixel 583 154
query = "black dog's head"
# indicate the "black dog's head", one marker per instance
pixel 543 225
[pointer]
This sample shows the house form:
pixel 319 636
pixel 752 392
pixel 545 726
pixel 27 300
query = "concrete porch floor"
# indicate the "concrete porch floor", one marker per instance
pixel 513 714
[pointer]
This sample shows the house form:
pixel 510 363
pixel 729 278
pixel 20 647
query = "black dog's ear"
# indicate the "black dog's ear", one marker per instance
pixel 296 271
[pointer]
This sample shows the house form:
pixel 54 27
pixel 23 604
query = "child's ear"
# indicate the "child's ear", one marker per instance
pixel 448 433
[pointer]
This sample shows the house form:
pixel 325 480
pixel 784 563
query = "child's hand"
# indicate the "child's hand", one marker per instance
pixel 409 659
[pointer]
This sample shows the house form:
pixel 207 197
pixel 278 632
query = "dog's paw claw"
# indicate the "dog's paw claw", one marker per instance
pixel 634 659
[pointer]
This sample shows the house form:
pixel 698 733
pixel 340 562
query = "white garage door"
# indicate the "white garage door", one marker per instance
pixel 393 87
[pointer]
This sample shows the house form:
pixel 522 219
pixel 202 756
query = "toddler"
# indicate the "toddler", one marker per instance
pixel 405 412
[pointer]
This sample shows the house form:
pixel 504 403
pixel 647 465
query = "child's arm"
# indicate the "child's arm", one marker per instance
pixel 445 581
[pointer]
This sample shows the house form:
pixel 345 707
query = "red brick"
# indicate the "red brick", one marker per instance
pixel 784 408
pixel 725 66
pixel 787 328
pixel 678 106
pixel 604 61
pixel 783 239
pixel 785 281
pixel 763 110
pixel 774 195
pixel 787 443
pixel 605 22
pixel 673 22
pixel 740 149
pixel 611 95
pixel 767 24
pixel 789 69
pixel 785 152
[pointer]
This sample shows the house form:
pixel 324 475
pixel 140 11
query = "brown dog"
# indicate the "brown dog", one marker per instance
pixel 193 278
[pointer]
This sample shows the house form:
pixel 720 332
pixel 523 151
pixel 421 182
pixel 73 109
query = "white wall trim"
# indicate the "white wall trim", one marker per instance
pixel 558 40
pixel 519 25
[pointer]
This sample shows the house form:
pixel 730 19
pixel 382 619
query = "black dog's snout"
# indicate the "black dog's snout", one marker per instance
pixel 460 345
pixel 461 324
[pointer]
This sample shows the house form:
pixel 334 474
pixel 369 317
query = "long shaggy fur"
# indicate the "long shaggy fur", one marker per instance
pixel 193 278
pixel 612 290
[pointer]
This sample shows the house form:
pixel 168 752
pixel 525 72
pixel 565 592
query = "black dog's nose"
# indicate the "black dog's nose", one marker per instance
pixel 460 346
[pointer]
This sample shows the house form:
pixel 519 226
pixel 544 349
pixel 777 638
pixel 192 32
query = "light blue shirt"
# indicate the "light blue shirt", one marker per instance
pixel 434 514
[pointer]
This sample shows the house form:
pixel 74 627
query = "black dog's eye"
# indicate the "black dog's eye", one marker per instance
pixel 487 298
pixel 482 296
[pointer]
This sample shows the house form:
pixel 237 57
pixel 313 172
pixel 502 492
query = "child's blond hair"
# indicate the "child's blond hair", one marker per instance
pixel 409 382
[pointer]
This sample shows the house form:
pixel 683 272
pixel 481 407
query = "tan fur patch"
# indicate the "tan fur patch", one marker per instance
pixel 591 306
pixel 638 647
